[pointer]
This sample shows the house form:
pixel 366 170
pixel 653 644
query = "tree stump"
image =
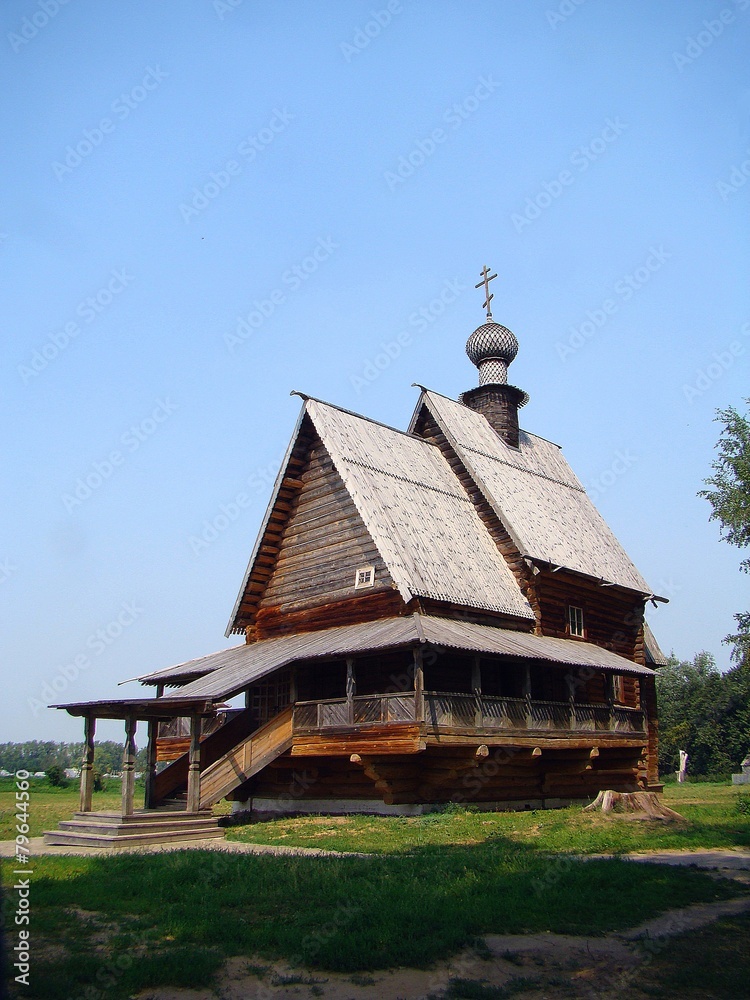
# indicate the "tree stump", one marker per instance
pixel 638 805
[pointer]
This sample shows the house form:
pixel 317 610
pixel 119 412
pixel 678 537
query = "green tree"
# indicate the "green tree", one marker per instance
pixel 704 712
pixel 729 495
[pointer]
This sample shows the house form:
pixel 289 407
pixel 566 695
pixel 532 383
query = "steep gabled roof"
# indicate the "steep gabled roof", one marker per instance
pixel 420 518
pixel 536 495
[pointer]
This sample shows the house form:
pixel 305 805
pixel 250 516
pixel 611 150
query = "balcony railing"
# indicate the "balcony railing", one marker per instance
pixel 469 711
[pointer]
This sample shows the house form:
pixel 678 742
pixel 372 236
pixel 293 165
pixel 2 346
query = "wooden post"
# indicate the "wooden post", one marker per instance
pixel 153 732
pixel 351 688
pixel 476 687
pixel 609 693
pixel 418 686
pixel 159 690
pixel 572 682
pixel 527 693
pixel 87 764
pixel 128 766
pixel 194 766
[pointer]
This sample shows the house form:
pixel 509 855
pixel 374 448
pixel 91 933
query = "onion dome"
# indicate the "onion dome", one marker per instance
pixel 492 347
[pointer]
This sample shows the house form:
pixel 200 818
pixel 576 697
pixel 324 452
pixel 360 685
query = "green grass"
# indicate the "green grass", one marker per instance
pixel 713 962
pixel 48 805
pixel 435 885
pixel 711 810
pixel 144 920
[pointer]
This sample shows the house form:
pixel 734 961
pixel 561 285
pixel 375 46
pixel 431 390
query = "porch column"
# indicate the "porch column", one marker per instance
pixel 194 766
pixel 527 693
pixel 128 766
pixel 609 694
pixel 572 707
pixel 418 686
pixel 476 687
pixel 351 690
pixel 87 763
pixel 153 732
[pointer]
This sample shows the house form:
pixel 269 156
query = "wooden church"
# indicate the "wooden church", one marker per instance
pixel 432 615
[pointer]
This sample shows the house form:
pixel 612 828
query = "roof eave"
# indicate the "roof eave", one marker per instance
pixel 232 627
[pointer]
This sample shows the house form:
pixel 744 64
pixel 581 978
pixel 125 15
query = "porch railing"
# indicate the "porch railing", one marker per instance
pixel 468 711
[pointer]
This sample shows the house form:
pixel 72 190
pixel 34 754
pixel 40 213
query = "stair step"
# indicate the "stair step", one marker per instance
pixel 143 816
pixel 62 839
pixel 120 830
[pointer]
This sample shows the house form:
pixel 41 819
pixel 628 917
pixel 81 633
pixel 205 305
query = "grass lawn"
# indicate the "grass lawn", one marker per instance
pixel 124 923
pixel 172 918
pixel 713 820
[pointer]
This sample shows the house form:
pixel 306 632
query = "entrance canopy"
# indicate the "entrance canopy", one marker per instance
pixel 140 708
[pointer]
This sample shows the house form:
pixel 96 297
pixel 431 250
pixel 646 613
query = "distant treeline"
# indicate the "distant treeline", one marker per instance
pixel 704 712
pixel 39 755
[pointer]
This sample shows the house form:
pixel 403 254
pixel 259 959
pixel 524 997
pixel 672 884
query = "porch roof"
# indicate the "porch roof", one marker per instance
pixel 141 708
pixel 227 673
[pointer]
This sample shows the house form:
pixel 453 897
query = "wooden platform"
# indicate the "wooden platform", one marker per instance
pixel 141 829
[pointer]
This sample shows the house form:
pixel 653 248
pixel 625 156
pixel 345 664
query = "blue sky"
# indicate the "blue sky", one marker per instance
pixel 209 204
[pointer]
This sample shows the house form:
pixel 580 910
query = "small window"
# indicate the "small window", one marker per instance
pixel 365 577
pixel 575 621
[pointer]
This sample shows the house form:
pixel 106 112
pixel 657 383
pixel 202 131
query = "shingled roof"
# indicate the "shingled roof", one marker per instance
pixel 536 495
pixel 419 516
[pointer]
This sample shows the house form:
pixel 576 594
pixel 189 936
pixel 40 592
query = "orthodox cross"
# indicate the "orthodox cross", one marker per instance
pixel 486 279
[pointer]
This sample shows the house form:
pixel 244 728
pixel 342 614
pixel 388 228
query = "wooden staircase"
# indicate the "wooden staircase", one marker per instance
pixel 247 758
pixel 141 829
pixel 170 822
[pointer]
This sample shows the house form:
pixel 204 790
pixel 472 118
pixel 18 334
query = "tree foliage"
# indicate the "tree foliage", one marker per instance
pixel 40 755
pixel 729 495
pixel 705 713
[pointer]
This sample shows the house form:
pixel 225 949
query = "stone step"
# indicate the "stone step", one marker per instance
pixel 114 829
pixel 142 828
pixel 62 839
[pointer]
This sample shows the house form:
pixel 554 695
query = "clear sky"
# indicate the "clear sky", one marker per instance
pixel 209 204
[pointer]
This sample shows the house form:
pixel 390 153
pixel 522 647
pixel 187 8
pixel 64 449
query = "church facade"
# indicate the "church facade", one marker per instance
pixel 431 615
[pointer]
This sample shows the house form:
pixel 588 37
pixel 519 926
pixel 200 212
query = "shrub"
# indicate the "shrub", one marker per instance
pixel 56 776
